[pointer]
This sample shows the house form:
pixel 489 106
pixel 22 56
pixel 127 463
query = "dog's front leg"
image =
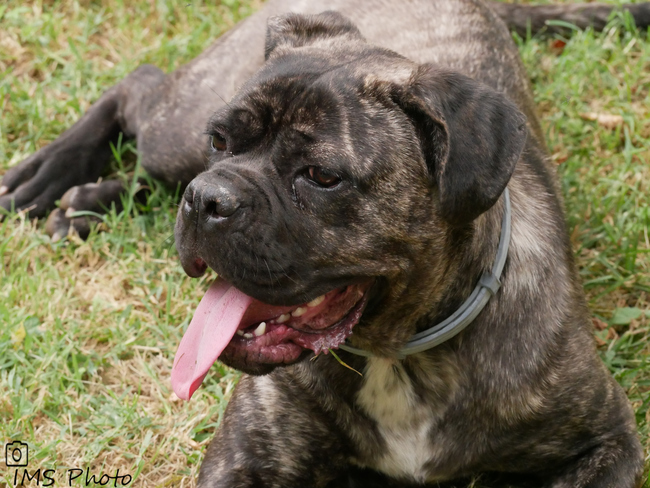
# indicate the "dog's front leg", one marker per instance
pixel 81 153
pixel 272 436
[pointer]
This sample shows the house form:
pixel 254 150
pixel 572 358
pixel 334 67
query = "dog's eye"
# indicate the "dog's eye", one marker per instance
pixel 218 142
pixel 323 177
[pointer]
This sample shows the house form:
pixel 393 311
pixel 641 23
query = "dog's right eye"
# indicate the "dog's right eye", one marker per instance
pixel 323 177
pixel 218 142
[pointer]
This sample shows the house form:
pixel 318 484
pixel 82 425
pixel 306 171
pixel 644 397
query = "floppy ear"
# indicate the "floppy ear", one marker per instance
pixel 296 30
pixel 472 137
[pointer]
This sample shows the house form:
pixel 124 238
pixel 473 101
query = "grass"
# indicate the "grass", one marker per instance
pixel 89 329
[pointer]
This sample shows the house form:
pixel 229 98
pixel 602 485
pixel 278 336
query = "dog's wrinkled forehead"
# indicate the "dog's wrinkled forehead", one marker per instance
pixel 308 87
pixel 319 89
pixel 324 52
pixel 290 31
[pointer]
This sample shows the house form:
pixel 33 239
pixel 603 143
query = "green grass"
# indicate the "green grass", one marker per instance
pixel 89 329
pixel 605 175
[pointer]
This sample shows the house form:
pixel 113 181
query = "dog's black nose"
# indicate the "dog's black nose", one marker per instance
pixel 213 200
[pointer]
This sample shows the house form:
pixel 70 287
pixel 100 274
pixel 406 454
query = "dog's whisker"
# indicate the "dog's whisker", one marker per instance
pixel 269 270
pixel 217 94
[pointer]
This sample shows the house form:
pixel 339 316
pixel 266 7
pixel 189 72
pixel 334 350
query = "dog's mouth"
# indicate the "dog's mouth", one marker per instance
pixel 235 327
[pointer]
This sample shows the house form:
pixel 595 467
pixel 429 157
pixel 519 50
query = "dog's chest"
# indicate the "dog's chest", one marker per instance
pixel 404 420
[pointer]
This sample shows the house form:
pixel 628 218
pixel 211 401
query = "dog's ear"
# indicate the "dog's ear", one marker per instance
pixel 296 30
pixel 471 135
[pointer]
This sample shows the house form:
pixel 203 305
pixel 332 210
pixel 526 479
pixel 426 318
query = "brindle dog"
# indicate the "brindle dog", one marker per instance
pixel 357 194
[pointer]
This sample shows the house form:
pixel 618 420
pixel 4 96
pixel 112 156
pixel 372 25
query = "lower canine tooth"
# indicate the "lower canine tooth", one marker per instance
pixel 316 301
pixel 261 329
pixel 283 318
pixel 299 311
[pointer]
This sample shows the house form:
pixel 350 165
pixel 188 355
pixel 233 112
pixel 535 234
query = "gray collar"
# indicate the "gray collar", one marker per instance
pixel 487 286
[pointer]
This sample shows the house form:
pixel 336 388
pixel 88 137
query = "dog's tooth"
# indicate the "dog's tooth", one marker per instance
pixel 248 335
pixel 282 318
pixel 240 332
pixel 316 301
pixel 261 329
pixel 299 312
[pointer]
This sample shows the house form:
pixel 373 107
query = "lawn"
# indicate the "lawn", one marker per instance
pixel 89 329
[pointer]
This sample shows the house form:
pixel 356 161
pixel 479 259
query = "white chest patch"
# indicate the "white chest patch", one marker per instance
pixel 404 421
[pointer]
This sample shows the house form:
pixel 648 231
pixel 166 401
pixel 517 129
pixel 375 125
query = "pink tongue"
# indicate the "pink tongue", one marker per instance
pixel 214 324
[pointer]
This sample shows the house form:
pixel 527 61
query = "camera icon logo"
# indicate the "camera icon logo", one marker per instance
pixel 16 454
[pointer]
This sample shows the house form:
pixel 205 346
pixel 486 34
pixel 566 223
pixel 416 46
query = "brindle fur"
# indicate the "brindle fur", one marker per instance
pixel 520 397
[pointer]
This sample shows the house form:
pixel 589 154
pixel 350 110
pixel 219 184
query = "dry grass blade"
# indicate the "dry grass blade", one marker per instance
pixel 343 363
pixel 609 121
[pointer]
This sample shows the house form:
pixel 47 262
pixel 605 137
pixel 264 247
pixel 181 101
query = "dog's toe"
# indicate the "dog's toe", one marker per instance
pixel 59 225
pixel 93 197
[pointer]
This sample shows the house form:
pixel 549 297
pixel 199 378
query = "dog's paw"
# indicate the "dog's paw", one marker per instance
pixel 79 203
pixel 35 184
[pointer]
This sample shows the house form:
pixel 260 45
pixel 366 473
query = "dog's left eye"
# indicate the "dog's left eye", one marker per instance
pixel 323 177
pixel 218 142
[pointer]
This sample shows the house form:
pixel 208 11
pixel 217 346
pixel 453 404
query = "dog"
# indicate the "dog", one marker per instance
pixel 395 275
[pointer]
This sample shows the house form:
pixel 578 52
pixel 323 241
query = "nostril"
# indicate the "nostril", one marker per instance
pixel 223 206
pixel 212 211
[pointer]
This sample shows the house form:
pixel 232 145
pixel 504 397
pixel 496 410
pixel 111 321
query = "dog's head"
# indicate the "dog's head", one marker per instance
pixel 341 178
